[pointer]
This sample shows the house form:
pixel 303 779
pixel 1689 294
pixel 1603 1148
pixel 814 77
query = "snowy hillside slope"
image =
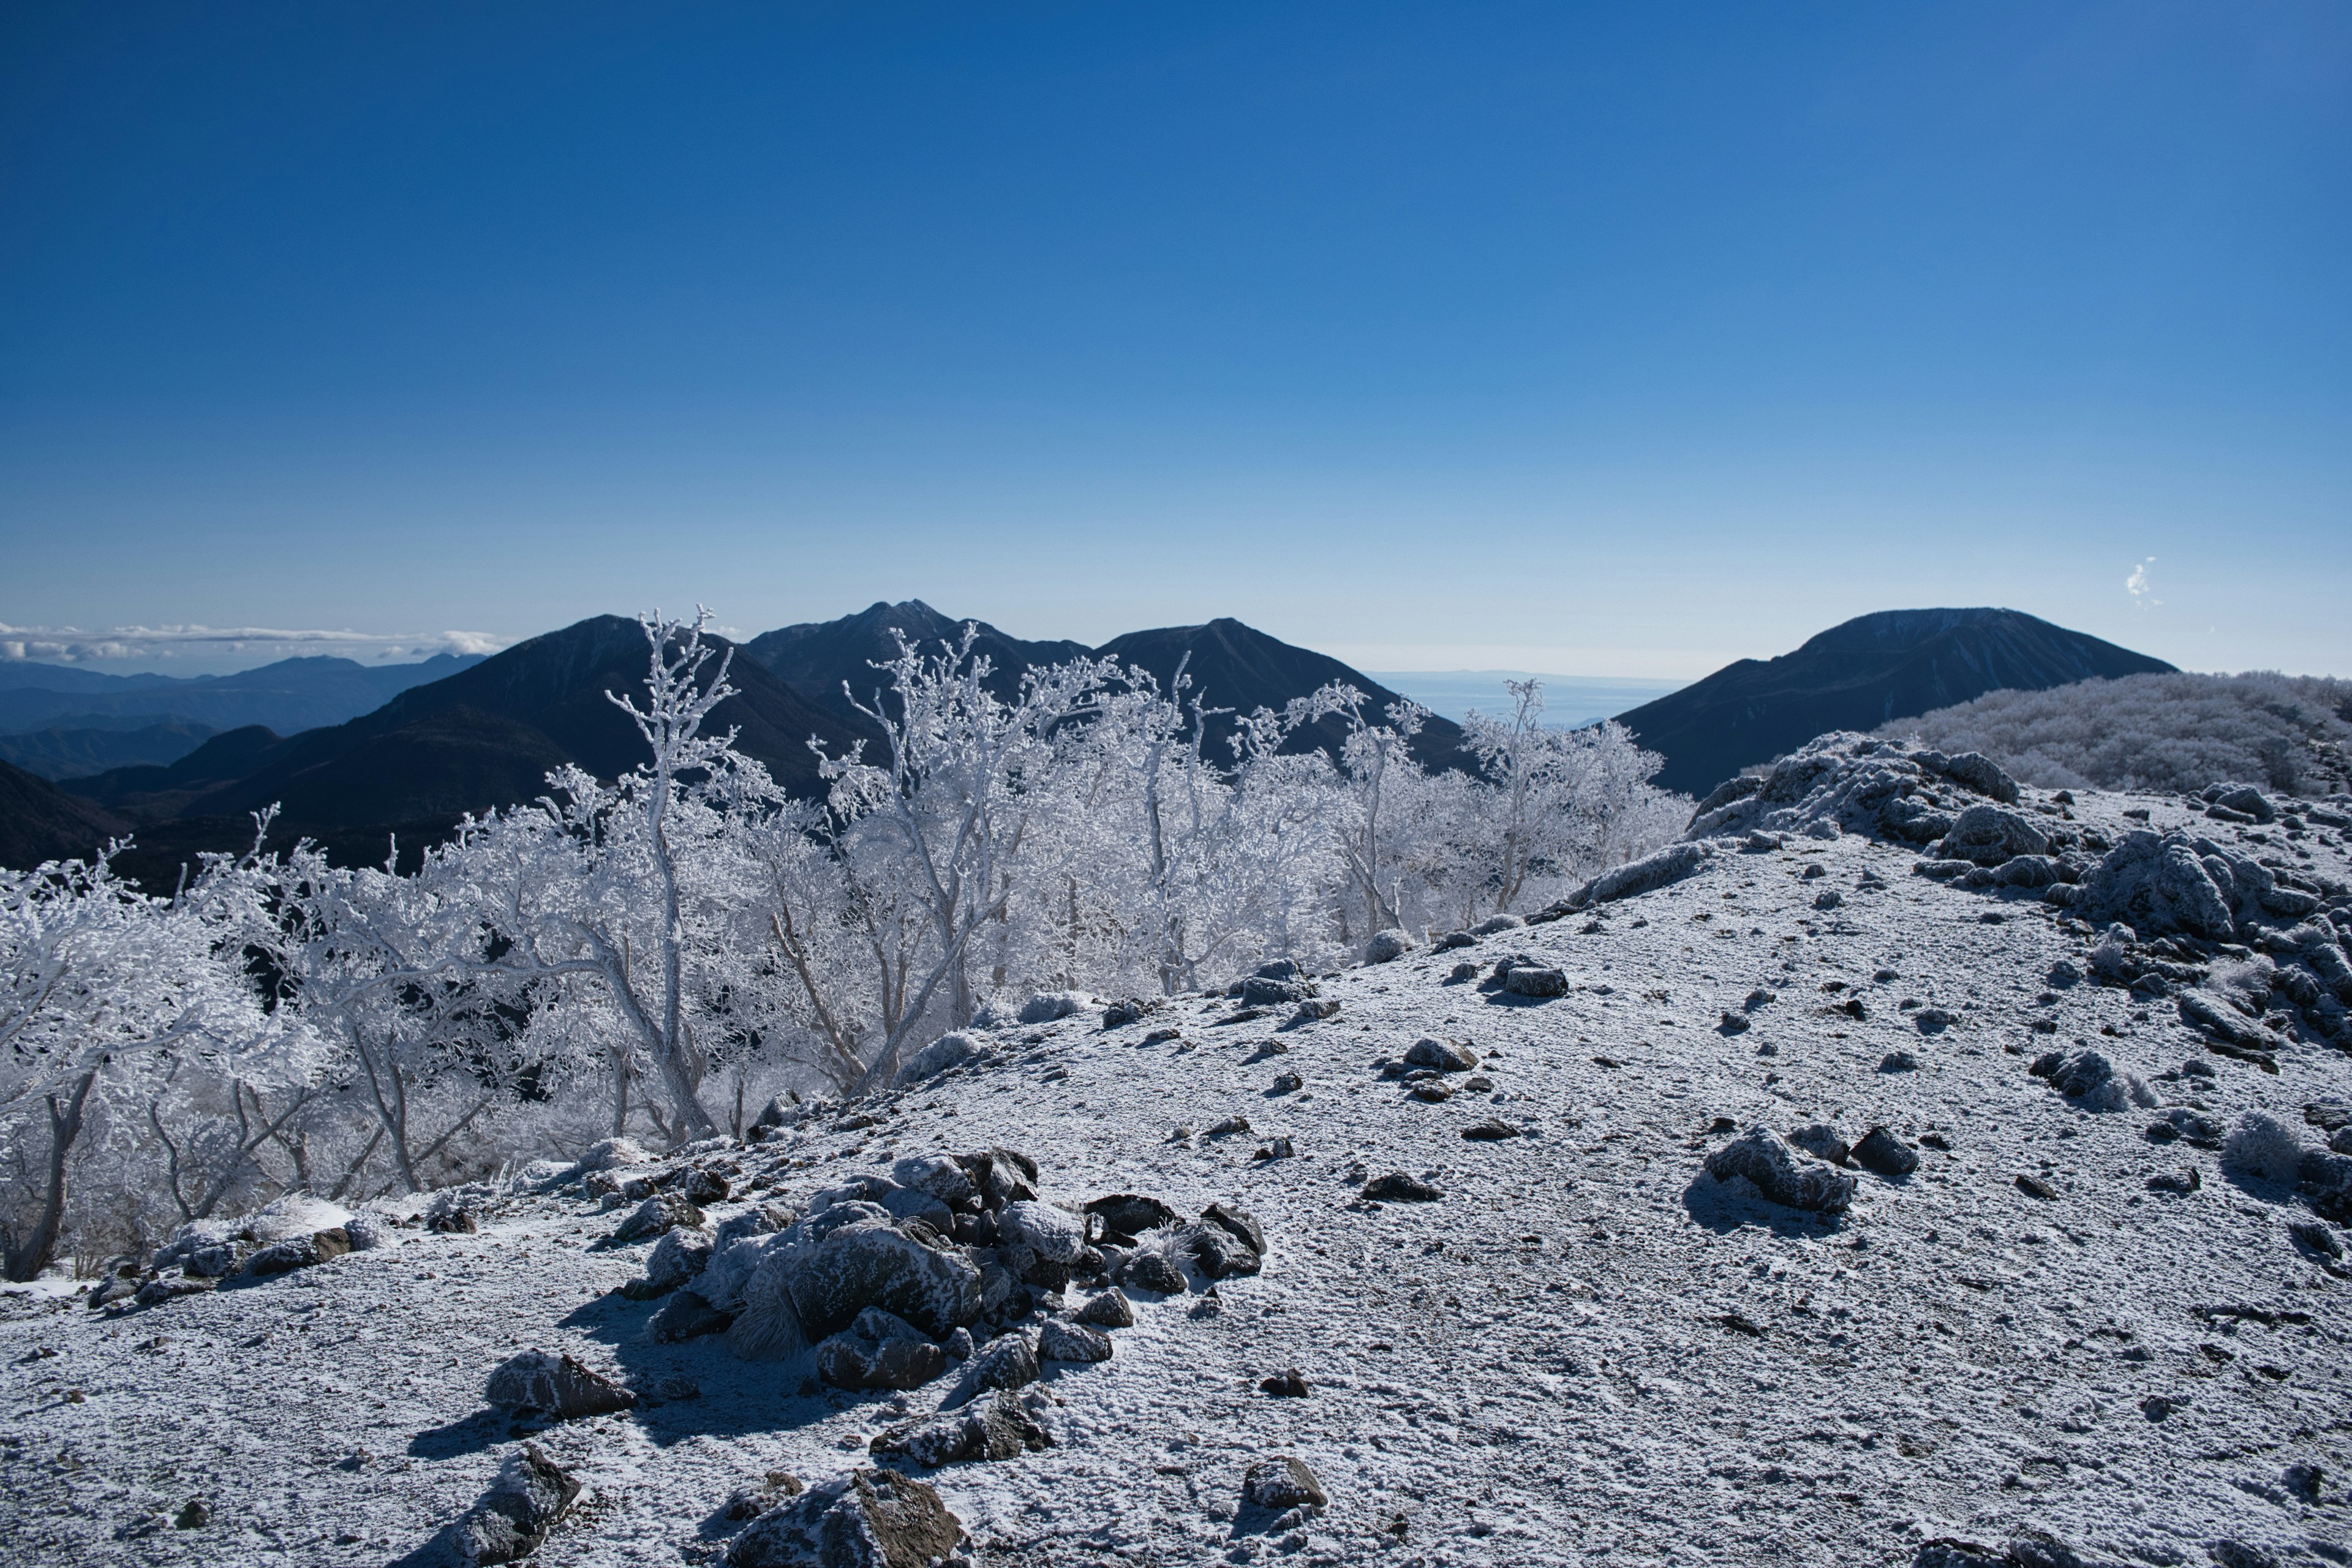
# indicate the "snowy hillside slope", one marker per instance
pixel 1586 1350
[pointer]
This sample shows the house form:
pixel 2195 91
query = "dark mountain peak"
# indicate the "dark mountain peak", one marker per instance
pixel 39 822
pixel 817 658
pixel 1858 675
pixel 1235 666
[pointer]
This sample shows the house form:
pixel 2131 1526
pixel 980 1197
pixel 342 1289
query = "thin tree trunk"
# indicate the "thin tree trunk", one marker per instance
pixel 24 1263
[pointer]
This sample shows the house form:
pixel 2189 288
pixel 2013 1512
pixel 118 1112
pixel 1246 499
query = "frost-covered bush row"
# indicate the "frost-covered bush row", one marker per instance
pixel 2177 732
pixel 660 954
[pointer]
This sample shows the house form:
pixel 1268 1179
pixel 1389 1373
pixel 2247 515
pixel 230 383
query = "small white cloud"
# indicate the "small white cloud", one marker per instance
pixel 2142 592
pixel 72 645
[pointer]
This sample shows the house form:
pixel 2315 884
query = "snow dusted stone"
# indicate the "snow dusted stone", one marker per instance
pixel 1495 923
pixel 2247 801
pixel 1396 1187
pixel 1110 1310
pixel 1440 1055
pixel 612 1154
pixel 1388 946
pixel 686 1315
pixel 1651 872
pixel 1240 1223
pixel 1059 1340
pixel 936 1175
pixel 368 1232
pixel 1972 771
pixel 1259 991
pixel 1883 1152
pixel 1126 1216
pixel 1281 1483
pixel 1823 1141
pixel 2156 885
pixel 680 1255
pixel 1053 1233
pixel 661 1213
pixel 1001 1176
pixel 2202 1010
pixel 513 1520
pixel 170 1285
pixel 876 1263
pixel 998 1425
pixel 1987 836
pixel 1535 980
pixel 295 1215
pixel 1008 1361
pixel 298 1252
pixel 556 1387
pixel 1047 1006
pixel 1782 1174
pixel 867 1519
pixel 1149 1269
pixel 1221 1254
pixel 2098 1083
pixel 879 1350
pixel 2264 1147
pixel 948 1051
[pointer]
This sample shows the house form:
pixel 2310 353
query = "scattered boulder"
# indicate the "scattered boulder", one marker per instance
pixel 879 1350
pixel 1008 1361
pixel 556 1387
pixel 2317 1237
pixel 2156 885
pixel 1494 923
pixel 2178 1122
pixel 1783 1173
pixel 2245 799
pixel 1882 1151
pixel 1148 1268
pixel 1898 1061
pixel 1388 946
pixel 1989 836
pixel 298 1252
pixel 679 1256
pixel 1535 981
pixel 2204 1011
pixel 1126 1216
pixel 612 1153
pixel 1734 1023
pixel 513 1520
pixel 1047 1006
pixel 1287 1384
pixel 1973 771
pixel 998 1425
pixel 867 1519
pixel 659 1214
pixel 903 1268
pixel 1281 1483
pixel 1060 1340
pixel 170 1285
pixel 688 1315
pixel 1489 1132
pixel 1239 1223
pixel 1820 1141
pixel 1648 874
pixel 1109 1310
pixel 1440 1055
pixel 1053 1233
pixel 751 1501
pixel 952 1050
pixel 2087 1076
pixel 1221 1254
pixel 1396 1187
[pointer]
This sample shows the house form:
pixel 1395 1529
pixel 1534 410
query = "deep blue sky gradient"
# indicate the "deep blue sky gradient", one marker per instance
pixel 1617 340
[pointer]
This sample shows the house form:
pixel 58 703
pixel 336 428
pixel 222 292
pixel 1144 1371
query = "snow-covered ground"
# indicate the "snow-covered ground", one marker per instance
pixel 1586 1351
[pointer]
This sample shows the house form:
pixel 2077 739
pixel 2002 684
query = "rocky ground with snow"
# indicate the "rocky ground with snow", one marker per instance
pixel 2044 1088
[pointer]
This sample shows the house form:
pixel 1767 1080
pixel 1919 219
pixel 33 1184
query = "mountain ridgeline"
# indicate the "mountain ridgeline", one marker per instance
pixel 1895 664
pixel 488 733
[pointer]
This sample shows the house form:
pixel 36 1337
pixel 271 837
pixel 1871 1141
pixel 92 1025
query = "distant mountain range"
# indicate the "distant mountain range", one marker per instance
pixel 1896 664
pixel 486 734
pixel 290 696
pixel 93 744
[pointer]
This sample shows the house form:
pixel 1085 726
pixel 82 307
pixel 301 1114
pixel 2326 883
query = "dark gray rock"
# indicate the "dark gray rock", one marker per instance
pixel 1530 980
pixel 899 1266
pixel 299 1252
pixel 1240 1222
pixel 996 1426
pixel 687 1316
pixel 1126 1216
pixel 1053 1233
pixel 1008 1361
pixel 1820 1141
pixel 2157 885
pixel 556 1387
pixel 879 1350
pixel 1221 1254
pixel 1883 1152
pixel 513 1520
pixel 1059 1340
pixel 1396 1187
pixel 1783 1173
pixel 661 1213
pixel 869 1519
pixel 1388 946
pixel 1987 836
pixel 1148 1268
pixel 1282 1482
pixel 1287 1384
pixel 1648 874
pixel 1110 1310
pixel 1440 1055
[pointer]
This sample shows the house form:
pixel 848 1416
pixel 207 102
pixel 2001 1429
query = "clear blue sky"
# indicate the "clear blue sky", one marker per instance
pixel 1616 341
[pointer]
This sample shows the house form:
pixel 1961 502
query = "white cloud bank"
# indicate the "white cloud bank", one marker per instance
pixel 72 645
